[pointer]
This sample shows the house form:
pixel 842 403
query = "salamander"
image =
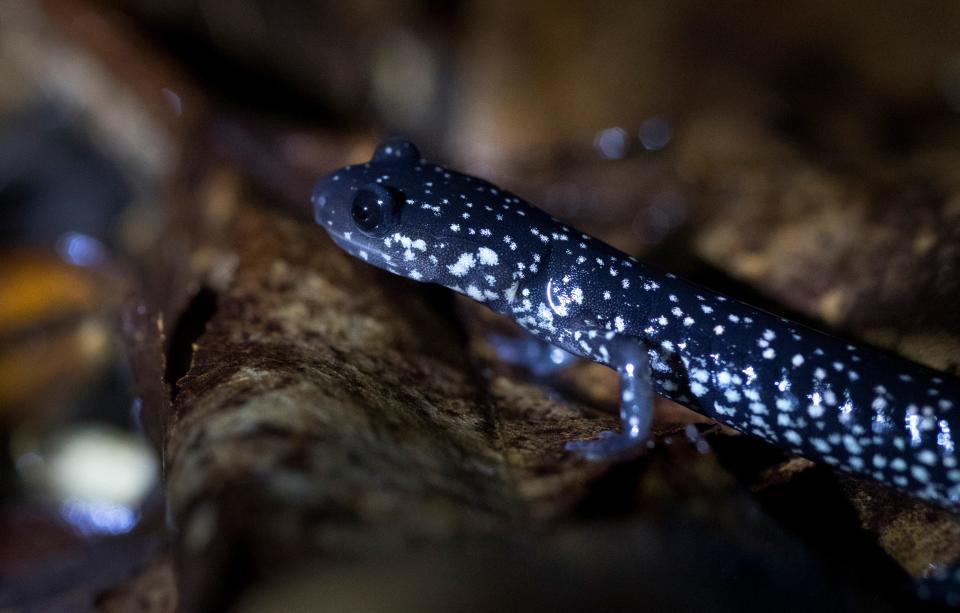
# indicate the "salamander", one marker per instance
pixel 810 393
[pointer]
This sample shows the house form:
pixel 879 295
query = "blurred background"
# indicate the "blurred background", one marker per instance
pixel 805 155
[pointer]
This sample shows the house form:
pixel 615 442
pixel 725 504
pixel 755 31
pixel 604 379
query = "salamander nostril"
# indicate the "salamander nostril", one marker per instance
pixel 319 196
pixel 319 201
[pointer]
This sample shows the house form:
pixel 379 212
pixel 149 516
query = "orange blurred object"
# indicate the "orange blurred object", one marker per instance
pixel 54 333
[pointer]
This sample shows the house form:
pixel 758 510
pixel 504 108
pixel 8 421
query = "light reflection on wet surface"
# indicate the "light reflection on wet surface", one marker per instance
pixel 611 143
pixel 81 249
pixel 655 133
pixel 97 477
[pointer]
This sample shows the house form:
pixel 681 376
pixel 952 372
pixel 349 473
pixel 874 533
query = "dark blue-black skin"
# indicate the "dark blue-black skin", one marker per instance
pixel 807 392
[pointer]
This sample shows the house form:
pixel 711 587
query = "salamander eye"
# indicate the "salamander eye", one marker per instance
pixel 374 209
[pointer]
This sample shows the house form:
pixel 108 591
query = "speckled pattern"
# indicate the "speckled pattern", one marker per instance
pixel 805 391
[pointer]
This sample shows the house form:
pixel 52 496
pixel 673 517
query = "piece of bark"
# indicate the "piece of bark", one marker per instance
pixel 151 591
pixel 298 406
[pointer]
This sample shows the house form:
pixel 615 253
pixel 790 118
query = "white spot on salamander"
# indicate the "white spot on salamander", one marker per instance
pixel 474 292
pixel 462 265
pixel 511 292
pixel 488 256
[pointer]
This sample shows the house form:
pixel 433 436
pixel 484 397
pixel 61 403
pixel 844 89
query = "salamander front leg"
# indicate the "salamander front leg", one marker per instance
pixel 636 404
pixel 538 356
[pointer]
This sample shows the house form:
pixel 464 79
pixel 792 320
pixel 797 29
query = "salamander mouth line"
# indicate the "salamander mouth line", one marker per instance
pixel 355 248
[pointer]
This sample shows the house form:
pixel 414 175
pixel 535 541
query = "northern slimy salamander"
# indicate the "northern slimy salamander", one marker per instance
pixel 810 393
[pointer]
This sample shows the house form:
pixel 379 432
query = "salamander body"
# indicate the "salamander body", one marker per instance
pixel 810 393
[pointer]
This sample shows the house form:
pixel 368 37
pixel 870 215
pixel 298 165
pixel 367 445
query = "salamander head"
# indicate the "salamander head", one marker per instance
pixel 365 210
pixel 429 223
